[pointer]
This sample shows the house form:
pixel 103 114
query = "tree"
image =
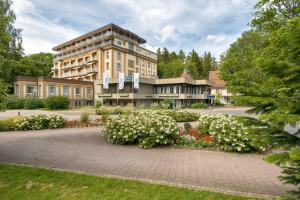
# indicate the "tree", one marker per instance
pixel 3 95
pixel 263 66
pixel 273 14
pixel 181 55
pixel 209 63
pixel 35 65
pixel 237 64
pixel 10 42
pixel 194 65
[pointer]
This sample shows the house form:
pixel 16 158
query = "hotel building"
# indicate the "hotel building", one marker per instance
pixel 114 49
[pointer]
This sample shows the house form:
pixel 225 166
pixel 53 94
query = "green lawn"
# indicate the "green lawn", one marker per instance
pixel 20 182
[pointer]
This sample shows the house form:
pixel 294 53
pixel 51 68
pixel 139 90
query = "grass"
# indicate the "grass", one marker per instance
pixel 22 182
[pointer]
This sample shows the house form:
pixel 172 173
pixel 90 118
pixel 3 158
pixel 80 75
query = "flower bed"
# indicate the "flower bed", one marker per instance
pixel 229 134
pixel 147 128
pixel 78 123
pixel 37 122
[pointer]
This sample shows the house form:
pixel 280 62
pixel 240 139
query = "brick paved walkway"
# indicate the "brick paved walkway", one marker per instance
pixel 84 149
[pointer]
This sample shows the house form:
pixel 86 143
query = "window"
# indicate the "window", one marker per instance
pixel 119 55
pixel 17 90
pixel 88 91
pixel 77 91
pixel 30 90
pixel 118 67
pixel 130 73
pixel 51 90
pixel 130 63
pixel 148 64
pixel 137 60
pixel 107 54
pixel 119 42
pixel 107 65
pixel 66 91
pixel 130 46
pixel 137 70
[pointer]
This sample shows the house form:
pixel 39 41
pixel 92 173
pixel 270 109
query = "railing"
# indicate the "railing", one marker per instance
pixel 59 56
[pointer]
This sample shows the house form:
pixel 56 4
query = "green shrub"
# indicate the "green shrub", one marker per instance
pixel 98 104
pixel 147 128
pixel 180 116
pixel 229 134
pixel 8 124
pixel 37 122
pixel 103 111
pixel 33 103
pixel 199 105
pixel 84 117
pixel 13 102
pixel 57 102
pixel 218 103
pixel 167 104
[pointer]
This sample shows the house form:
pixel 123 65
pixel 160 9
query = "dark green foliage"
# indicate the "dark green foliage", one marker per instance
pixel 3 95
pixel 199 105
pixel 13 102
pixel 57 102
pixel 264 67
pixel 84 117
pixel 172 65
pixel 33 103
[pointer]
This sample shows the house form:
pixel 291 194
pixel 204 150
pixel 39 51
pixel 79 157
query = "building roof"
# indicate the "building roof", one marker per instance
pixel 56 80
pixel 186 74
pixel 110 26
pixel 217 82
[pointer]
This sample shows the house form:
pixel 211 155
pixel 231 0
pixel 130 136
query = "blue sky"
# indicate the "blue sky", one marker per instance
pixel 203 25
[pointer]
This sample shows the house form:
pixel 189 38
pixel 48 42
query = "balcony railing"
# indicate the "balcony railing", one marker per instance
pixel 81 73
pixel 66 55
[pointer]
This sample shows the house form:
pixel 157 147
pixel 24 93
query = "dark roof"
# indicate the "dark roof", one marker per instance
pixel 106 27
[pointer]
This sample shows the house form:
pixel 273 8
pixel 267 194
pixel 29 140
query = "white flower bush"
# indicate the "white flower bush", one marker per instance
pixel 229 134
pixel 37 122
pixel 146 128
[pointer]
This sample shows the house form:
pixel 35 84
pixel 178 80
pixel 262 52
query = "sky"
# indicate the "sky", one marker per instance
pixel 203 25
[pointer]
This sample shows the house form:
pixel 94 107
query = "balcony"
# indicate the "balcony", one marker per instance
pixel 60 56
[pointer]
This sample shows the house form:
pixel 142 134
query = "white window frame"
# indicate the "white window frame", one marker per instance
pixel 32 93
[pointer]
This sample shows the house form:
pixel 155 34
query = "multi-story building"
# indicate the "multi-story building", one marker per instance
pixel 110 48
pixel 113 50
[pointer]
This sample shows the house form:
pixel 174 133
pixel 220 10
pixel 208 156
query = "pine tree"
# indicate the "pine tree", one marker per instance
pixel 181 55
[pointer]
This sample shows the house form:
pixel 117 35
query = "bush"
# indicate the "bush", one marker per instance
pixel 187 126
pixel 57 102
pixel 218 103
pixel 199 105
pixel 8 124
pixel 37 122
pixel 180 116
pixel 229 134
pixel 33 103
pixel 84 118
pixel 13 102
pixel 103 111
pixel 147 128
pixel 166 104
pixel 98 104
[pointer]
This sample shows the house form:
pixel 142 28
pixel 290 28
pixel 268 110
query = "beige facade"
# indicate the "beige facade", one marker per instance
pixel 109 48
pixel 79 92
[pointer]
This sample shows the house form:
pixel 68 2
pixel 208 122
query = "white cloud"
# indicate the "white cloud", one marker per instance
pixel 39 33
pixel 217 38
pixel 180 24
pixel 167 32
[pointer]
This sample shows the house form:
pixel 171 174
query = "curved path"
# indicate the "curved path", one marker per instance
pixel 84 149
